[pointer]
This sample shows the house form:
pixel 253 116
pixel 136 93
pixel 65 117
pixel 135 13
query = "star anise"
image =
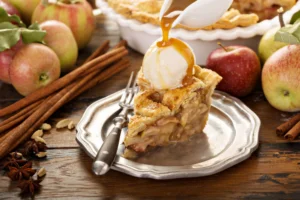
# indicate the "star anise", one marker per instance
pixel 12 160
pixel 19 173
pixel 29 186
pixel 33 147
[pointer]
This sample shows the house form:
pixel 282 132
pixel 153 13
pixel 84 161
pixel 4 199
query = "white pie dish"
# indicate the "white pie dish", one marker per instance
pixel 140 36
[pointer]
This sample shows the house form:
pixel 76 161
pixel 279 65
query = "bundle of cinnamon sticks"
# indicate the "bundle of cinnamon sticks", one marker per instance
pixel 290 129
pixel 29 113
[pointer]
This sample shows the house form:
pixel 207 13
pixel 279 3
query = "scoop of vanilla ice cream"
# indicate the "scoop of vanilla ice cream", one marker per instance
pixel 164 67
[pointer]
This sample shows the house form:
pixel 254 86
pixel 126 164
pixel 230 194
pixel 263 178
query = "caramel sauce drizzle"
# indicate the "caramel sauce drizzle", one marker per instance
pixel 181 47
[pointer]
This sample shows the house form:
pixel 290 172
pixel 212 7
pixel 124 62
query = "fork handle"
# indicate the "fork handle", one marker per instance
pixel 107 153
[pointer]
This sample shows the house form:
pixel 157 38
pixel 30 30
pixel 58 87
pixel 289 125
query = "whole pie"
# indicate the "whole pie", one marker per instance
pixel 165 116
pixel 242 13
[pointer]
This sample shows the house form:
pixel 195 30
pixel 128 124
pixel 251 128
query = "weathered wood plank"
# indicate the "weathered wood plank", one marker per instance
pixel 272 173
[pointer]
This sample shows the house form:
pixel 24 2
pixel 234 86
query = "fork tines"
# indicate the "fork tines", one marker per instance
pixel 130 91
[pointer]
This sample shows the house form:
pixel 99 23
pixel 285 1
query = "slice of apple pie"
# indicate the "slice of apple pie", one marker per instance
pixel 165 116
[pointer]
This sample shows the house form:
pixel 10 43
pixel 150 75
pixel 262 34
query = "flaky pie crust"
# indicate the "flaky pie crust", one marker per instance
pixel 148 110
pixel 147 11
pixel 242 13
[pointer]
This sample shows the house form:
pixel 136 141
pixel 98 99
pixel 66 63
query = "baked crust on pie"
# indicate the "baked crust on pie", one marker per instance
pixel 265 9
pixel 243 13
pixel 147 11
pixel 162 117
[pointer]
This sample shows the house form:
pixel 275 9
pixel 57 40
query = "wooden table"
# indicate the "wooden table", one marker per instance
pixel 272 172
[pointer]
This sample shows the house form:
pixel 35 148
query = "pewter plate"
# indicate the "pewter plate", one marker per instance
pixel 230 136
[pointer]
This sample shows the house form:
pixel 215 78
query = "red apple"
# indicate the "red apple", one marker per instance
pixel 34 66
pixel 26 8
pixel 78 15
pixel 239 66
pixel 10 9
pixel 60 39
pixel 6 58
pixel 281 79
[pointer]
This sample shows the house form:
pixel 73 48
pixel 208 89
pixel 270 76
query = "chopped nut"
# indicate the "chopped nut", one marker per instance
pixel 42 172
pixel 39 139
pixel 38 133
pixel 41 154
pixel 63 123
pixel 71 125
pixel 46 127
pixel 16 154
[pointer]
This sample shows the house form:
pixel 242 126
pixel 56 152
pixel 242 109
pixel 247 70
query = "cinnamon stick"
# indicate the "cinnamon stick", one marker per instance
pixel 105 60
pixel 21 113
pixel 122 63
pixel 27 111
pixel 16 121
pixel 293 133
pixel 285 127
pixel 122 43
pixel 99 51
pixel 65 95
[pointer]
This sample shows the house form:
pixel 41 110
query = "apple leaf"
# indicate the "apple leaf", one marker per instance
pixel 295 17
pixel 8 38
pixel 289 34
pixel 5 17
pixel 35 26
pixel 10 34
pixel 7 25
pixel 32 36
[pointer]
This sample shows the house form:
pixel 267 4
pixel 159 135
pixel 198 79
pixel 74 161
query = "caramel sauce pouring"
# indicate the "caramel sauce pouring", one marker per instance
pixel 181 47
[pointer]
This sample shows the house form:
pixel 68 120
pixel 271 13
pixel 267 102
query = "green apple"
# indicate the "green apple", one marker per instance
pixel 268 45
pixel 76 14
pixel 60 39
pixel 25 7
pixel 281 79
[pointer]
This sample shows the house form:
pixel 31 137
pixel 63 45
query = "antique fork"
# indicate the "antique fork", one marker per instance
pixel 107 153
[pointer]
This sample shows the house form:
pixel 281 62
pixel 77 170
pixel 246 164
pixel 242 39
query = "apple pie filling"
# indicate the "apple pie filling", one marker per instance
pixel 190 120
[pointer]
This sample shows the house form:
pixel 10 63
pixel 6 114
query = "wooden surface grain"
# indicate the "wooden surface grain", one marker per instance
pixel 272 172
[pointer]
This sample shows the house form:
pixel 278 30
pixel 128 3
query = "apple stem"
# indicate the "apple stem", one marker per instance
pixel 220 44
pixel 43 77
pixel 280 16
